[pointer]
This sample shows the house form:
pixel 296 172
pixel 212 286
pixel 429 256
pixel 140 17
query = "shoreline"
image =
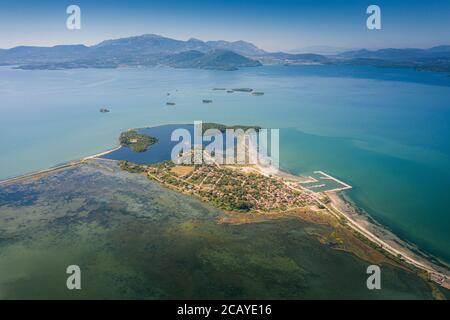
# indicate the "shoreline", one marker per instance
pixel 378 235
pixel 338 206
pixel 64 166
pixel 388 240
pixel 346 204
pixel 97 155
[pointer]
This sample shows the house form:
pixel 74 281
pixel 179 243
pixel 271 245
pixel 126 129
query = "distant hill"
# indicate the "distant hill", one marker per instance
pixel 183 59
pixel 155 44
pixel 149 44
pixel 224 60
pixel 433 59
pixel 241 47
pixel 216 59
pixel 153 50
pixel 399 54
pixel 440 49
pixel 306 57
pixel 28 54
pixel 145 50
pixel 321 49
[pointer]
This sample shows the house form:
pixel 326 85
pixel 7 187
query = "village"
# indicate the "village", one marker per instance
pixel 229 187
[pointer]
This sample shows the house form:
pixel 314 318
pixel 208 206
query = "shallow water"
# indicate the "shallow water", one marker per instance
pixel 134 239
pixel 384 131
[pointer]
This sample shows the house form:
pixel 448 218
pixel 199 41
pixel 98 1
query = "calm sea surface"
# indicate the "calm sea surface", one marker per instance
pixel 384 131
pixel 134 239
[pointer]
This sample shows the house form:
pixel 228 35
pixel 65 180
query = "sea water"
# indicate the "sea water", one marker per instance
pixel 384 131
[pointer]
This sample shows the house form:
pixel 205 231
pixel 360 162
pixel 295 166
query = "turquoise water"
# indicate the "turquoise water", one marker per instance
pixel 384 131
pixel 134 239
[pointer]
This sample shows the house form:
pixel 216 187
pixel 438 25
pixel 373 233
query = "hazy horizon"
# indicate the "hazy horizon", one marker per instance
pixel 270 25
pixel 319 47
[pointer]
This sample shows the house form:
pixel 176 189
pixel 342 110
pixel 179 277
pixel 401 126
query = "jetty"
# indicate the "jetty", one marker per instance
pixel 326 176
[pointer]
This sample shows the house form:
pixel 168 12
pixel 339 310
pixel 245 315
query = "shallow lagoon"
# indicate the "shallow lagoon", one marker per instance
pixel 384 131
pixel 135 239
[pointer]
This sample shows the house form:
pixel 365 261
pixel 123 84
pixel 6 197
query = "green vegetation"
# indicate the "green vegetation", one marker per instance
pixel 136 141
pixel 226 188
pixel 131 167
pixel 223 127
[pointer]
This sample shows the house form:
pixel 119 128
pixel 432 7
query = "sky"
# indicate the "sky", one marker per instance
pixel 273 25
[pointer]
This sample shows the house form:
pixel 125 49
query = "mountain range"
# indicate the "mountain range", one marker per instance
pixel 145 50
pixel 153 50
pixel 433 59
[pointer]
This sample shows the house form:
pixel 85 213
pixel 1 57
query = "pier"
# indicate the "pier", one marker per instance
pixel 320 181
pixel 345 186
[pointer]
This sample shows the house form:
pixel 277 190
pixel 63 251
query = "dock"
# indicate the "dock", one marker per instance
pixel 345 186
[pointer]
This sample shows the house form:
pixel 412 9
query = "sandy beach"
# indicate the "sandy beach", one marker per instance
pixel 360 223
pixel 65 166
pixel 387 240
pixel 338 207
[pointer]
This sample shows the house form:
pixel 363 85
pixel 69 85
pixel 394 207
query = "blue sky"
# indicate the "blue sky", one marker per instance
pixel 270 24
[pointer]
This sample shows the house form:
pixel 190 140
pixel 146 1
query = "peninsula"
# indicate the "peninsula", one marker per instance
pixel 137 142
pixel 252 193
pixel 248 192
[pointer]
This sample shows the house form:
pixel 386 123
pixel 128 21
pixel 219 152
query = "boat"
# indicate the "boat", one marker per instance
pixel 170 103
pixel 257 93
pixel 207 101
pixel 104 110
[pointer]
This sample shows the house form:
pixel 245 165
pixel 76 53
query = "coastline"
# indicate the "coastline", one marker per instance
pixel 375 233
pixel 65 166
pixel 97 155
pixel 345 203
pixel 388 241
pixel 378 236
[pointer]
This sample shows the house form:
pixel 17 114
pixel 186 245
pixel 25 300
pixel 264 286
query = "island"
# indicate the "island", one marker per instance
pixel 245 194
pixel 136 141
pixel 257 93
pixel 243 89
